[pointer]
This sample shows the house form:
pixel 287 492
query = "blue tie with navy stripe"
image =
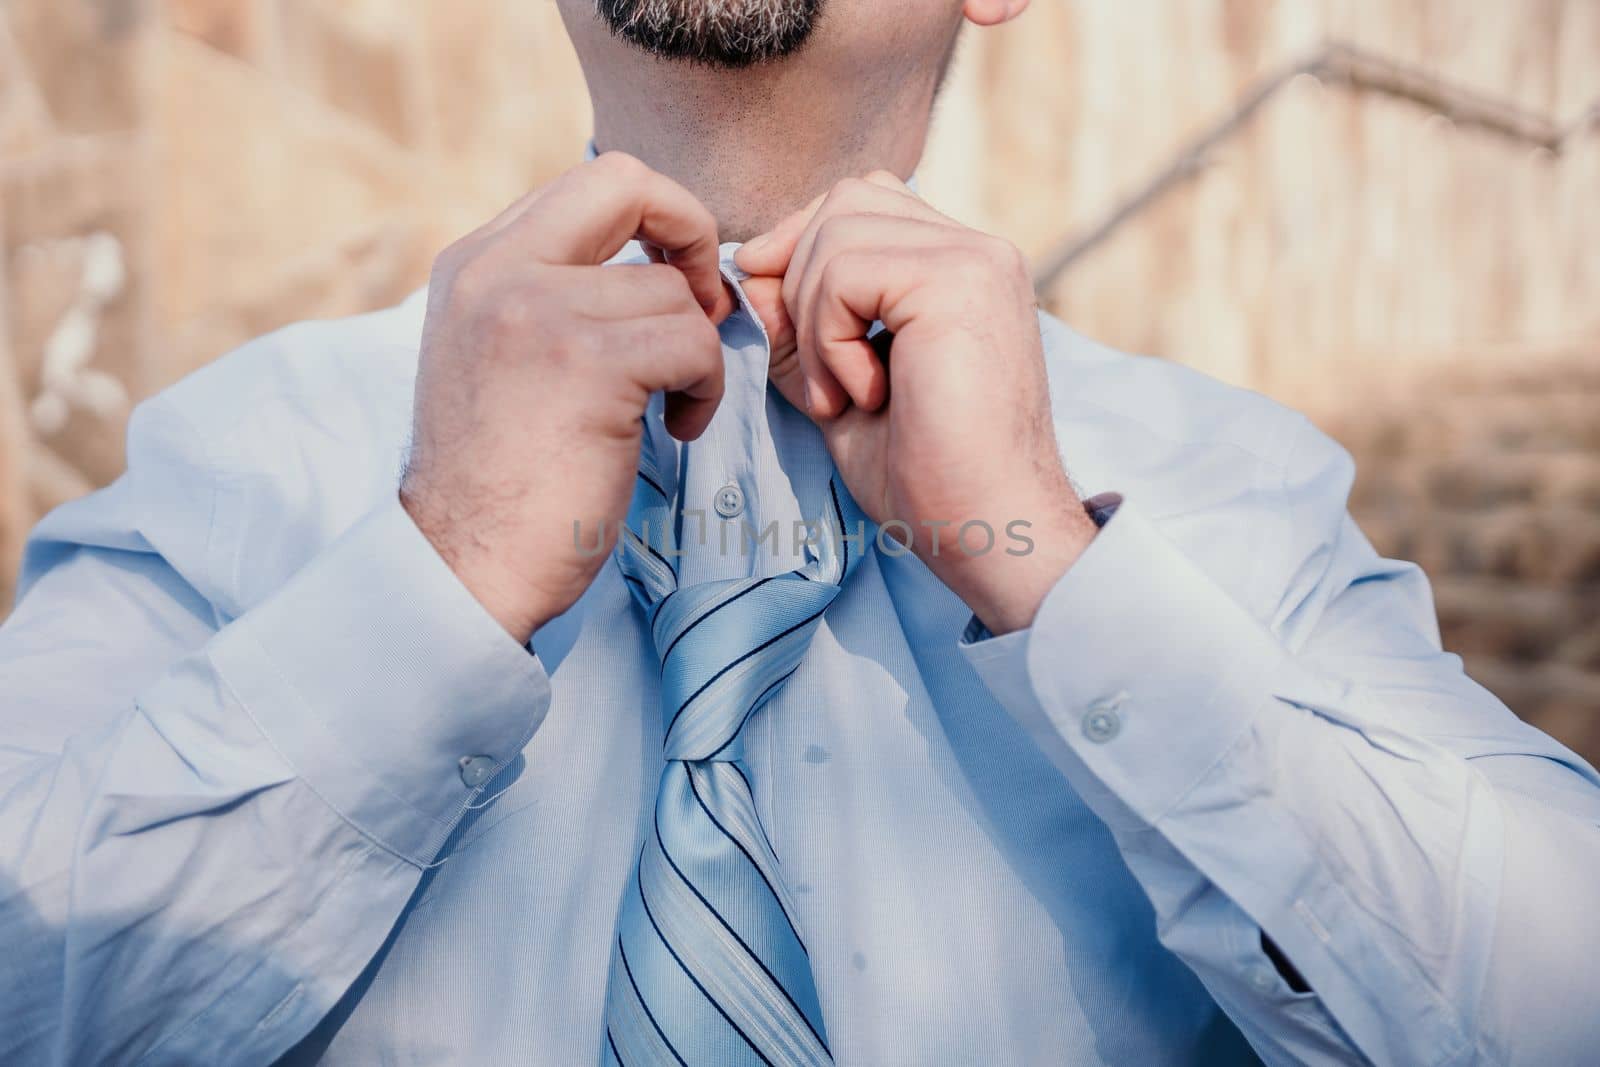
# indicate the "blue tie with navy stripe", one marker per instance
pixel 709 965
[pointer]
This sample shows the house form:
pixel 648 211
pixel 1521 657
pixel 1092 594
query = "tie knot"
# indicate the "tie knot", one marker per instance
pixel 726 648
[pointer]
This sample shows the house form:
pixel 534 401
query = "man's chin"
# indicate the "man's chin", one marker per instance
pixel 730 35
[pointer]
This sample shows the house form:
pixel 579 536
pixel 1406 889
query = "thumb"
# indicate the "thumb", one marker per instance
pixel 770 252
pixel 766 299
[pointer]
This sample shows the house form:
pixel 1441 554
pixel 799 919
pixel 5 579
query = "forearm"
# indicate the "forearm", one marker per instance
pixel 204 872
pixel 1255 787
pixel 1435 915
pixel 173 889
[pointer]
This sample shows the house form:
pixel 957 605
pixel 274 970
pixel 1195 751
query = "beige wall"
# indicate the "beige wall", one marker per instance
pixel 1337 224
pixel 178 176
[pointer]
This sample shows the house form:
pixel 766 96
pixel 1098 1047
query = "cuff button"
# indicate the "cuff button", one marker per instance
pixel 475 770
pixel 1101 722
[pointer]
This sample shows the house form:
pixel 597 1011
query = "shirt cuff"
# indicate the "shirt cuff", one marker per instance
pixel 1143 666
pixel 380 678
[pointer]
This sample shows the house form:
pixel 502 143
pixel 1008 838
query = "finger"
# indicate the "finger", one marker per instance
pixel 766 300
pixel 861 286
pixel 680 354
pixel 589 213
pixel 859 196
pixel 890 180
pixel 774 254
pixel 627 290
pixel 786 249
pixel 826 395
pixel 845 304
pixel 864 381
pixel 783 368
pixel 771 252
pixel 855 197
pixel 768 253
pixel 514 211
pixel 519 207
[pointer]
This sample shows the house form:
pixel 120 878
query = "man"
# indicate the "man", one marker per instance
pixel 307 757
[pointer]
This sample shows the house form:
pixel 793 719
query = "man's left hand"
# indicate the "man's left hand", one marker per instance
pixel 949 445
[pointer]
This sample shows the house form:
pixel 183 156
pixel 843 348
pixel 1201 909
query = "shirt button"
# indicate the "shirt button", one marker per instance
pixel 475 770
pixel 730 501
pixel 1263 980
pixel 1101 722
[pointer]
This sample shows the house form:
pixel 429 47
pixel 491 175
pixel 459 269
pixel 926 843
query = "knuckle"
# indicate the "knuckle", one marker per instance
pixel 836 271
pixel 453 273
pixel 669 281
pixel 565 347
pixel 450 258
pixel 831 232
pixel 986 261
pixel 708 354
pixel 850 189
pixel 466 282
pixel 509 319
pixel 701 332
pixel 1005 255
pixel 974 271
pixel 621 164
pixel 696 344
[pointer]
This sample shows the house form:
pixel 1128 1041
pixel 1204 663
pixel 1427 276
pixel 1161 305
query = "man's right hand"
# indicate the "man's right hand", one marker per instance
pixel 536 364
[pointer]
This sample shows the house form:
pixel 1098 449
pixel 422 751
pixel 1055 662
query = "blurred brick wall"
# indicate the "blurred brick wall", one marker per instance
pixel 1491 481
pixel 177 176
pixel 1336 223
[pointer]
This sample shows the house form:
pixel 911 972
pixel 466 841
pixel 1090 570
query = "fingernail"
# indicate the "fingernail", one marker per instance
pixel 811 397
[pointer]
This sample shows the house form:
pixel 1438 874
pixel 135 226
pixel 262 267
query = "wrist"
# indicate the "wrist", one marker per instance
pixel 1005 588
pixel 505 596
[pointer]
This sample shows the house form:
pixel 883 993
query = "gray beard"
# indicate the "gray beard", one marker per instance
pixel 714 33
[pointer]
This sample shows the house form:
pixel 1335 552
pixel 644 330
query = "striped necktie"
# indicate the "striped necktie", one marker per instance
pixel 709 966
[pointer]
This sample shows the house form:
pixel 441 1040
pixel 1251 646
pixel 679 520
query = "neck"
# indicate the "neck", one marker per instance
pixel 755 145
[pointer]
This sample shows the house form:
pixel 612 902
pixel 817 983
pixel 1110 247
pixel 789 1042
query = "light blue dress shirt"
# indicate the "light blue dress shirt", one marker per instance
pixel 272 782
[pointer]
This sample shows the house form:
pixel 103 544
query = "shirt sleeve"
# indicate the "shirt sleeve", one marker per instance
pixel 384 683
pixel 1322 784
pixel 208 827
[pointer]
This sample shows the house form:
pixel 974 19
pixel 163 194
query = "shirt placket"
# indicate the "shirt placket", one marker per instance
pixel 722 514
